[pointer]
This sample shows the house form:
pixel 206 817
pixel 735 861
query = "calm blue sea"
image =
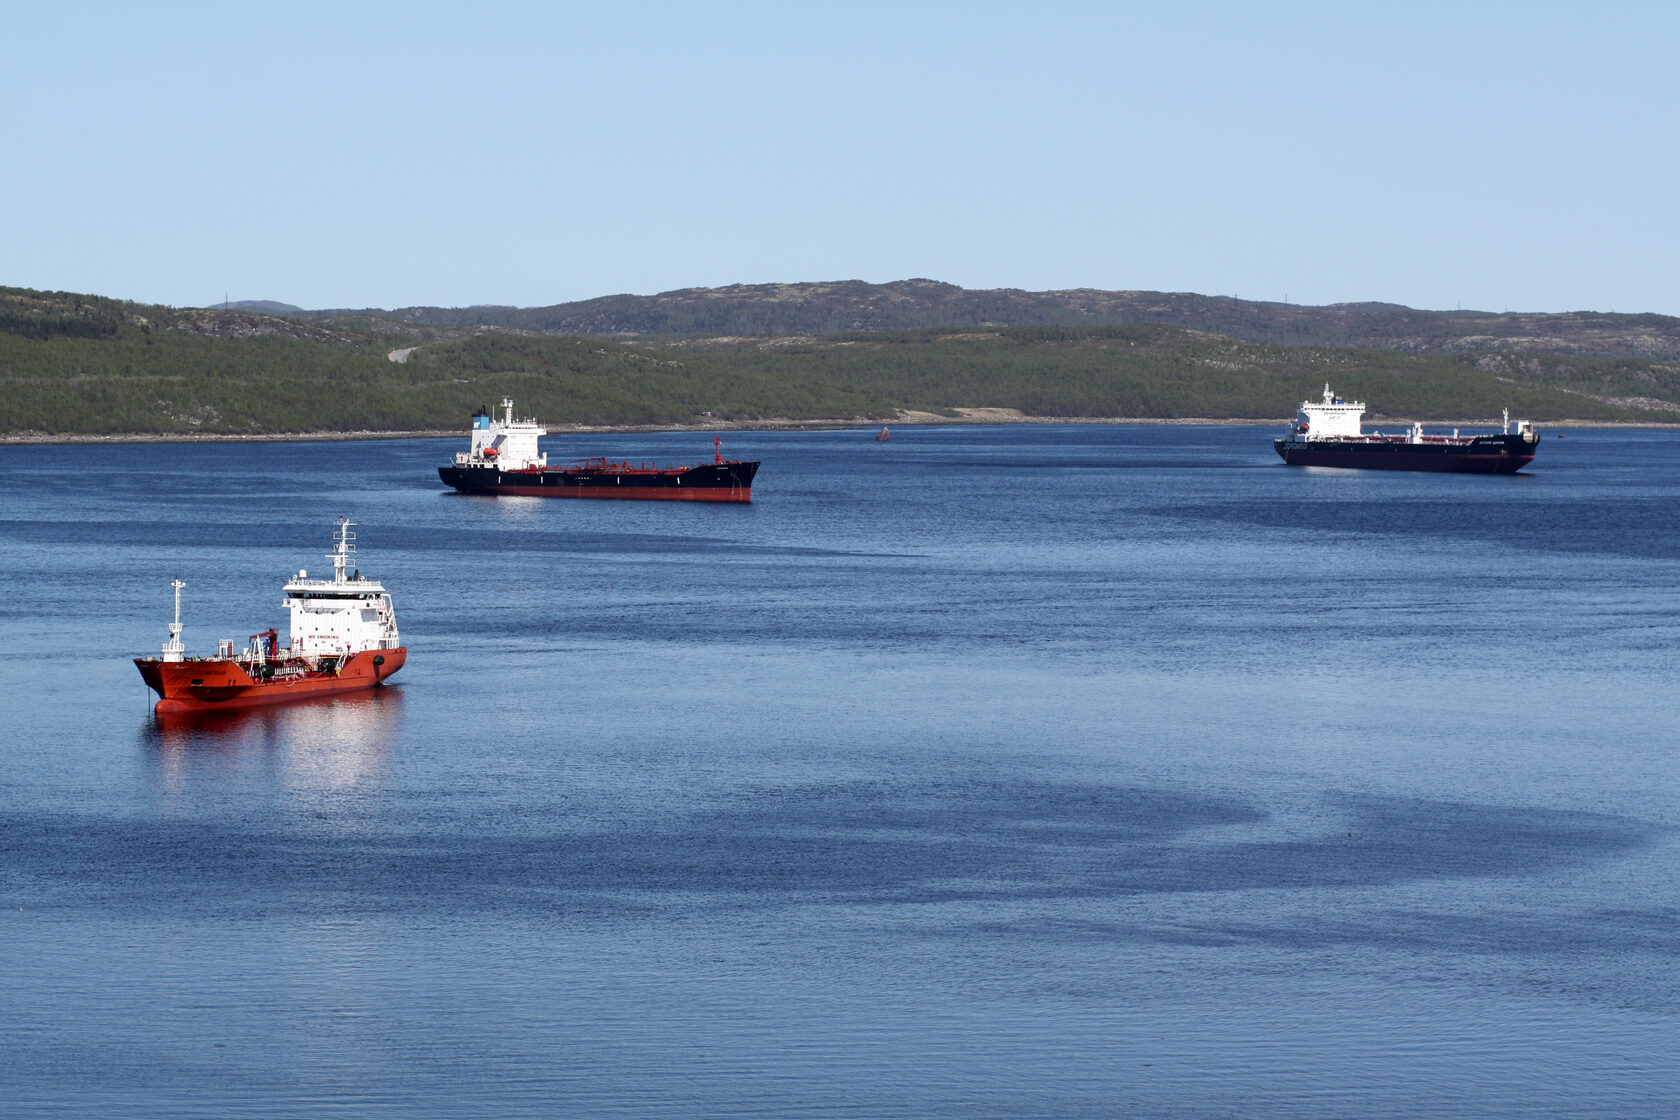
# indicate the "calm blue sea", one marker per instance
pixel 1029 771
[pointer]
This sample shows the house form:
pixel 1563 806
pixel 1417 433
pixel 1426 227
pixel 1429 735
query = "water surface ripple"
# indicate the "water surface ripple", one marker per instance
pixel 1075 771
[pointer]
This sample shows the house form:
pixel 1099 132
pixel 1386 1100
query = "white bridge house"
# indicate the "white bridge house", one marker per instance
pixel 341 615
pixel 1330 418
pixel 506 442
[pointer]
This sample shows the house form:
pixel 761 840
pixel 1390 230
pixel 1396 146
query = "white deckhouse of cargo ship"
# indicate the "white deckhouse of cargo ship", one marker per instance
pixel 342 615
pixel 508 443
pixel 1331 418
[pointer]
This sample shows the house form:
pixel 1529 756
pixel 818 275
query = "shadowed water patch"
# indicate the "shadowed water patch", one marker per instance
pixel 1546 524
pixel 1654 930
pixel 876 843
pixel 386 540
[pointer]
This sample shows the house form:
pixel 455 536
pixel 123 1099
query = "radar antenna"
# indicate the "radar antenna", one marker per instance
pixel 344 549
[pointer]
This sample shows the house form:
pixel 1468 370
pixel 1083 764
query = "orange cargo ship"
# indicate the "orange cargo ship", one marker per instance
pixel 343 639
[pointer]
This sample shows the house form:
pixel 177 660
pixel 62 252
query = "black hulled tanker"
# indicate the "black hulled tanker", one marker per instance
pixel 1327 433
pixel 503 459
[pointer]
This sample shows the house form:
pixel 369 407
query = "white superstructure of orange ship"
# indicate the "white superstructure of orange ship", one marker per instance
pixel 343 639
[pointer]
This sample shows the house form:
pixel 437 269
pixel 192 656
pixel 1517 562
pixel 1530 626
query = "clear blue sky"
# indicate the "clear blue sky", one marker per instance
pixel 1496 156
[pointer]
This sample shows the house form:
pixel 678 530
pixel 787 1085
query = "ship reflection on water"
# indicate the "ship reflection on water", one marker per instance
pixel 329 744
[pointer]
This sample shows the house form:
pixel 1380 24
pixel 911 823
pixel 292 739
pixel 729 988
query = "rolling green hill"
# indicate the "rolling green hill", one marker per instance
pixel 852 306
pixel 82 365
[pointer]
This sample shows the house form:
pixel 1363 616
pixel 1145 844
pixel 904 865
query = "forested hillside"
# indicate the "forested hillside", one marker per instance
pixel 852 306
pixel 72 364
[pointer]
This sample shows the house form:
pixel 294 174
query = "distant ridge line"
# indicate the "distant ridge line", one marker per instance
pixel 260 307
pixel 858 307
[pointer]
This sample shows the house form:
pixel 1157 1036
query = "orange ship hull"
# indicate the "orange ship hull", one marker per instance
pixel 206 684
